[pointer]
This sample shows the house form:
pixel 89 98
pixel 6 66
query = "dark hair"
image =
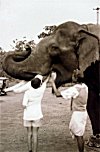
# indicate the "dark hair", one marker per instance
pixel 80 80
pixel 35 83
pixel 77 76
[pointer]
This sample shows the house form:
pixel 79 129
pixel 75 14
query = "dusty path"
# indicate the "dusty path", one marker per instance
pixel 53 135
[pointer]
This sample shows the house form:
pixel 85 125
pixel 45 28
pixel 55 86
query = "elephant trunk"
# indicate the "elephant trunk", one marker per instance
pixel 16 69
pixel 25 69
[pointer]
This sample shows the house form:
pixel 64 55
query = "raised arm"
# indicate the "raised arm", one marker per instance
pixel 56 91
pixel 69 93
pixel 20 84
pixel 22 88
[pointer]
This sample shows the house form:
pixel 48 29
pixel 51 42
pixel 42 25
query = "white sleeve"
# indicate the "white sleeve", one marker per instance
pixel 15 86
pixel 69 93
pixel 43 87
pixel 22 88
pixel 25 99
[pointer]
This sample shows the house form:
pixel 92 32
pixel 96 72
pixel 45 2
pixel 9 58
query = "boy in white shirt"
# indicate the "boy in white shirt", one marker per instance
pixel 32 116
pixel 32 110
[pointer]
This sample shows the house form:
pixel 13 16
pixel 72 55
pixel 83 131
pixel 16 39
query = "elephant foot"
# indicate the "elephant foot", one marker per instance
pixel 94 141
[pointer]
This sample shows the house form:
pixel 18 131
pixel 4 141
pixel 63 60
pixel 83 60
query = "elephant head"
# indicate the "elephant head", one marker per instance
pixel 69 47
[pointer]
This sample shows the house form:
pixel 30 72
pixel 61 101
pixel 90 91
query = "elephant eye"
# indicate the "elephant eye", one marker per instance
pixel 73 44
pixel 54 47
pixel 54 50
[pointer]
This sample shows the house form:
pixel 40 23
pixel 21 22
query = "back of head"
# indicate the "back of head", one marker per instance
pixel 36 83
pixel 76 77
pixel 80 80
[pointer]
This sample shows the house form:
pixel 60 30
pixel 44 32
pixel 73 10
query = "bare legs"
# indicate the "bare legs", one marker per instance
pixel 35 138
pixel 80 143
pixel 32 133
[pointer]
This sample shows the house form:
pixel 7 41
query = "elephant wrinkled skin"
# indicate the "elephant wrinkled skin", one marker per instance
pixel 68 48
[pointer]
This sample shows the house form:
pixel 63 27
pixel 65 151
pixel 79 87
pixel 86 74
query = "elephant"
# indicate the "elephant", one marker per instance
pixel 70 46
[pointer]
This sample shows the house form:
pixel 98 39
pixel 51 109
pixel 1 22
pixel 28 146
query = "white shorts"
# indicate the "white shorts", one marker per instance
pixel 33 123
pixel 77 123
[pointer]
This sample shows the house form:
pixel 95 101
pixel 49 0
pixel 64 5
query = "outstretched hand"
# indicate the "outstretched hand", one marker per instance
pixel 58 94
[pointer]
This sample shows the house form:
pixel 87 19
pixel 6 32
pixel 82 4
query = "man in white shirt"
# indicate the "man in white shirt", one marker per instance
pixel 78 94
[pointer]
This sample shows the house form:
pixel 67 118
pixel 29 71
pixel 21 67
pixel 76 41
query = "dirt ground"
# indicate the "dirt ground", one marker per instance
pixel 54 134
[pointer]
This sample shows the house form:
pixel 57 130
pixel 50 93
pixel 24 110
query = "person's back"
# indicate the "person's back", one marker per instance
pixel 80 102
pixel 32 100
pixel 35 94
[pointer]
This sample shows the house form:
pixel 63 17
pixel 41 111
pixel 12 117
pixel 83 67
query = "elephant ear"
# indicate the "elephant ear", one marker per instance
pixel 88 49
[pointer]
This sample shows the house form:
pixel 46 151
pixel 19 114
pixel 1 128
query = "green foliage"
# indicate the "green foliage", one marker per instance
pixel 48 31
pixel 21 45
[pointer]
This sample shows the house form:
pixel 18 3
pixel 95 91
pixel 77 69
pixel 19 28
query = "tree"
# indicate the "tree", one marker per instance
pixel 48 31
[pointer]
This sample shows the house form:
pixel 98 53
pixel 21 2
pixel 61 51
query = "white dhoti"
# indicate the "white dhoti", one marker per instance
pixel 77 123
